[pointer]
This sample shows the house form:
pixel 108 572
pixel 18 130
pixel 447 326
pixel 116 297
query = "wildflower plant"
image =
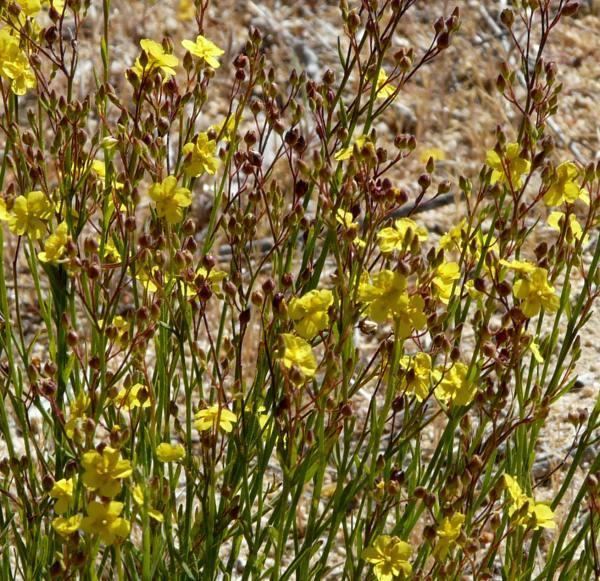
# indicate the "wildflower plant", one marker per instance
pixel 299 378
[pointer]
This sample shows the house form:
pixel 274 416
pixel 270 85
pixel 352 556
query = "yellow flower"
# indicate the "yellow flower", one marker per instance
pixel 214 417
pixel 310 312
pixel 443 280
pixel 536 293
pixel 130 397
pixel 432 152
pixel 509 168
pixel 166 452
pixel 110 252
pixel 63 492
pixel 346 152
pixel 392 238
pixel 454 387
pixel 214 278
pixel 535 351
pixel 19 72
pixel 103 520
pixel 30 7
pixel 537 515
pixel 67 526
pixel 55 245
pixel 389 556
pixel 186 10
pixel 138 498
pixel 224 129
pixel 416 378
pixel 387 298
pixel 200 156
pixel 520 266
pixel 452 240
pixel 298 353
pixel 77 414
pixel 556 222
pixel 564 188
pixel 447 534
pixel 104 471
pixel 30 214
pixel 99 169
pixel 158 60
pixel 170 200
pixel 384 89
pixel 205 50
pixel 346 220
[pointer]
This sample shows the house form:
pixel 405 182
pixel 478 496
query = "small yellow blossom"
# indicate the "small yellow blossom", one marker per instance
pixel 565 188
pixel 385 90
pixel 393 237
pixel 67 526
pixel 535 351
pixel 170 200
pixel 77 414
pixel 298 353
pixel 158 60
pixel 186 10
pixel 454 386
pixel 510 168
pixel 14 64
pixel 99 170
pixel 434 153
pixel 346 220
pixel 520 266
pixel 310 312
pixel 55 245
pixel 416 375
pixel 29 215
pixel 452 240
pixel 200 156
pixel 62 491
pixel 214 278
pixel 138 498
pixel 443 280
pixel 213 417
pixel 205 50
pixel 535 293
pixel 346 152
pixel 386 297
pixel 389 557
pixel 556 222
pixel 103 520
pixel 166 452
pixel 131 397
pixel 537 516
pixel 104 471
pixel 447 533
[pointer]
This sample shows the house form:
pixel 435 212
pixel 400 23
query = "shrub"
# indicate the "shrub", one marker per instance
pixel 306 381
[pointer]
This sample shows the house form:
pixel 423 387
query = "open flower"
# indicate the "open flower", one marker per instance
pixel 393 237
pixel 55 245
pixel 62 491
pixel 298 354
pixel 166 452
pixel 77 414
pixel 104 471
pixel 200 156
pixel 565 188
pixel 416 375
pixel 310 312
pixel 510 167
pixel 215 417
pixel 205 50
pixel 138 497
pixel 67 526
pixel 447 533
pixel 103 520
pixel 387 298
pixel 385 90
pixel 443 280
pixel 29 215
pixel 346 152
pixel 389 557
pixel 135 396
pixel 556 221
pixel 14 64
pixel 158 60
pixel 170 200
pixel 536 515
pixel 350 226
pixel 454 386
pixel 536 293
